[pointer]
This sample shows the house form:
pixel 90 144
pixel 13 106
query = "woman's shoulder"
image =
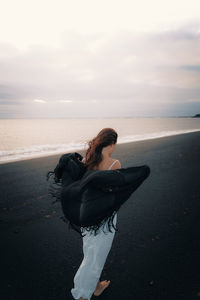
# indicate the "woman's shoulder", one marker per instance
pixel 115 164
pixel 105 164
pixel 111 164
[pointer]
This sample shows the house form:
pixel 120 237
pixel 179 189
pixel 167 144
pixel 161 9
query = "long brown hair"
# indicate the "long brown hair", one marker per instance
pixel 105 137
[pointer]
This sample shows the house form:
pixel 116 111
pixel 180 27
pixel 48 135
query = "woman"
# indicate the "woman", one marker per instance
pixel 96 246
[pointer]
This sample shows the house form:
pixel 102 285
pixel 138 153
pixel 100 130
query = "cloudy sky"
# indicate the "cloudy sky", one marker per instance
pixel 105 58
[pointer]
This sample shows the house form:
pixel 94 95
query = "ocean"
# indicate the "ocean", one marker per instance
pixel 28 138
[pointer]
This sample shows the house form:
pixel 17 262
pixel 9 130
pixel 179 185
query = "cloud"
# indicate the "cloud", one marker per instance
pixel 195 68
pixel 64 101
pixel 40 101
pixel 119 72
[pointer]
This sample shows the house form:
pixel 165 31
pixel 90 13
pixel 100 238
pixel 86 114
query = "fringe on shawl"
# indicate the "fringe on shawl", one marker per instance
pixel 94 228
pixel 54 190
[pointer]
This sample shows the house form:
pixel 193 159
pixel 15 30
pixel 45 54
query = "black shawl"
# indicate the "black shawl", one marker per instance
pixel 90 198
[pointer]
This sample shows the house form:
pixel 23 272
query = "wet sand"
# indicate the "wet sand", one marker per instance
pixel 155 253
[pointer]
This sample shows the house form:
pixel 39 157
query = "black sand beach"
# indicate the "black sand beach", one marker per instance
pixel 155 253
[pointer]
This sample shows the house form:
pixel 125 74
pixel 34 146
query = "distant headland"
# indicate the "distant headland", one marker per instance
pixel 196 116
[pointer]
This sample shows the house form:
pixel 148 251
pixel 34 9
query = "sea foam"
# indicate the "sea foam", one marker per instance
pixel 46 150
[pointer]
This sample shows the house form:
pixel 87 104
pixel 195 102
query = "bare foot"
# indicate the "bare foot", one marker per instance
pixel 101 287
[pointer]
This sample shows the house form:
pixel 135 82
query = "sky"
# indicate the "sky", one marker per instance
pixel 106 58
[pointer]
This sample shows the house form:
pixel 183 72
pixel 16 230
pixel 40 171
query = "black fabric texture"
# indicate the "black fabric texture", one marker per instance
pixel 91 198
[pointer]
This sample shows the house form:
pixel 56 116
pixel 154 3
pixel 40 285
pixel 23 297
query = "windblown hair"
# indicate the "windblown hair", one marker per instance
pixel 93 156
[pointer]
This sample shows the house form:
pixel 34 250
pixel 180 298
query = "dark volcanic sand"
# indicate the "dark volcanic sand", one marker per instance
pixel 155 253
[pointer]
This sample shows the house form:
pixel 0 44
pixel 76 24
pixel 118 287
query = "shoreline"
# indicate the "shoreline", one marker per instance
pixel 82 150
pixel 157 244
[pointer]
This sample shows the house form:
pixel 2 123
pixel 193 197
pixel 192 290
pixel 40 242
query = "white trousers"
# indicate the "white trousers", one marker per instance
pixel 95 251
